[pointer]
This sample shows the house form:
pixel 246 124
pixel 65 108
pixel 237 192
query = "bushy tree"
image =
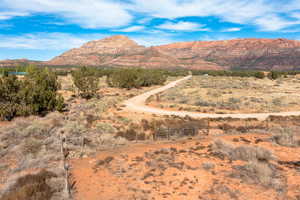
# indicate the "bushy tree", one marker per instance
pixel 87 82
pixel 34 95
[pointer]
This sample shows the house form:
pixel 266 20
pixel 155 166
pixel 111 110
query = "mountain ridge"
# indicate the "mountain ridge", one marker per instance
pixel 248 53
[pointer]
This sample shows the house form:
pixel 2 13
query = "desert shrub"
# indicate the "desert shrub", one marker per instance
pixel 285 136
pixel 36 94
pixel 234 73
pixel 273 75
pixel 262 173
pixel 135 78
pixel 234 100
pixel 208 165
pixel 133 132
pixel 31 187
pixel 31 146
pixel 225 127
pixel 277 101
pixel 259 75
pixel 244 152
pixel 87 82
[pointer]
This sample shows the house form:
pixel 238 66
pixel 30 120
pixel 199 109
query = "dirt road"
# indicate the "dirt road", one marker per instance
pixel 137 104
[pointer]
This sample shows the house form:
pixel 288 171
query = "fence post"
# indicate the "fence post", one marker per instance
pixel 136 137
pixel 267 123
pixel 65 165
pixel 208 126
pixel 82 146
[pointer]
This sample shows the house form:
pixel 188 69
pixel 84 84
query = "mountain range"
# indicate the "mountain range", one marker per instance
pixel 120 51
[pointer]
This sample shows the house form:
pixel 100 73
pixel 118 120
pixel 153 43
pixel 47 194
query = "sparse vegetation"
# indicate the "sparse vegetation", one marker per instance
pixel 94 124
pixel 209 94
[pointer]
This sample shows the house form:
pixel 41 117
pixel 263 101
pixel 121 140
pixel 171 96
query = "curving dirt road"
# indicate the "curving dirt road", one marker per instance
pixel 137 104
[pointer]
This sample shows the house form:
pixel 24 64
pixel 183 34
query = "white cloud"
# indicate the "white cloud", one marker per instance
pixel 215 37
pixel 86 13
pixel 148 40
pixel 132 29
pixel 231 29
pixel 274 23
pixel 268 15
pixel 64 41
pixel 9 15
pixel 235 11
pixel 46 41
pixel 182 26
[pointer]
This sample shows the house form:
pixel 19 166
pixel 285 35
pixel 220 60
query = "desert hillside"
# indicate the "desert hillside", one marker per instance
pixel 266 54
pixel 121 51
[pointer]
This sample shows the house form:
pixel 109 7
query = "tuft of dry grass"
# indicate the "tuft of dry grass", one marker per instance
pixel 30 187
pixel 286 136
pixel 243 152
pixel 263 173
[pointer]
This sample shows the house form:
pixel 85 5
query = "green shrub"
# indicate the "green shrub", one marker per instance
pixel 259 75
pixel 36 94
pixel 136 78
pixel 273 75
pixel 87 82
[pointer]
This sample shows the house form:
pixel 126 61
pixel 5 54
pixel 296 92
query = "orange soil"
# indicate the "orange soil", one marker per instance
pixel 143 171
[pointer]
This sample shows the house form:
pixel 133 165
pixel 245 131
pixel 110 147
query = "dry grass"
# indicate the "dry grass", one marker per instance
pixel 30 187
pixel 262 173
pixel 258 168
pixel 244 152
pixel 286 136
pixel 232 95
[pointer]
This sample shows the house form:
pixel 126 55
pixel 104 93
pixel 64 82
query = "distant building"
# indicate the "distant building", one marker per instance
pixel 18 73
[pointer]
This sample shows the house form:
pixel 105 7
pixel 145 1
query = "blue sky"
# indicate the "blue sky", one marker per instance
pixel 42 29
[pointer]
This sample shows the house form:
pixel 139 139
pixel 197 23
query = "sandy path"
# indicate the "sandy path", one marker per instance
pixel 137 104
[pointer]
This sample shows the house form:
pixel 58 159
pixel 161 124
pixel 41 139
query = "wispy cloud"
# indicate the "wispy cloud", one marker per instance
pixel 86 13
pixel 46 41
pixel 9 15
pixel 215 37
pixel 268 15
pixel 235 29
pixel 183 26
pixel 132 29
pixel 255 12
pixel 150 40
pixel 274 23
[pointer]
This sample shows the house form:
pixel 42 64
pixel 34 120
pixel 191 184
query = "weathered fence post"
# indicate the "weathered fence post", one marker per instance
pixel 208 126
pixel 65 165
